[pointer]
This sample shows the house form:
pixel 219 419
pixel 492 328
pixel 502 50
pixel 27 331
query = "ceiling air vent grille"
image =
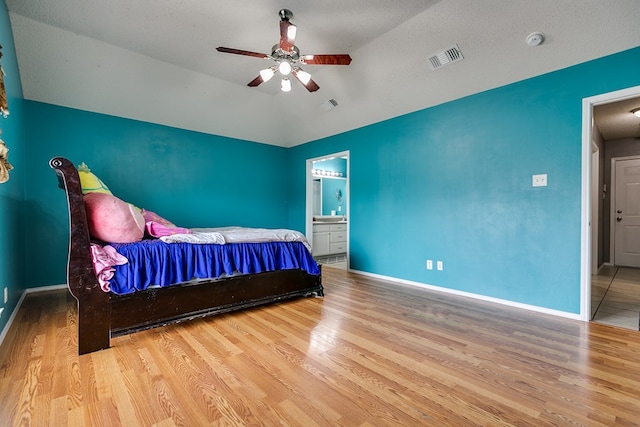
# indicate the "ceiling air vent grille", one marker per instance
pixel 330 104
pixel 447 56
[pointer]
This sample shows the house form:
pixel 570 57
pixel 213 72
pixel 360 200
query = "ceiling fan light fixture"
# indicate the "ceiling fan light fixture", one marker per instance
pixel 291 32
pixel 303 76
pixel 267 73
pixel 284 68
pixel 285 85
pixel 636 112
pixel 286 56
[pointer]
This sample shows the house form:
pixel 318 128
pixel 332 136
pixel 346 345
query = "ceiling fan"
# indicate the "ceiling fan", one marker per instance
pixel 288 59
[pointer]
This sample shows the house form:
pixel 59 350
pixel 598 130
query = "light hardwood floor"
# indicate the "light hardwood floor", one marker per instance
pixel 370 353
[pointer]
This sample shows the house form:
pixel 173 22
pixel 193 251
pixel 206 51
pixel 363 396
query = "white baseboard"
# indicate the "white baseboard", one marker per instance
pixel 11 318
pixel 5 330
pixel 603 265
pixel 44 289
pixel 508 303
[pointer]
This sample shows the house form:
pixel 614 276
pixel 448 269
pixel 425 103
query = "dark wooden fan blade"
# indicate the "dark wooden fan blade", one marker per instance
pixel 287 35
pixel 255 82
pixel 326 59
pixel 241 52
pixel 310 84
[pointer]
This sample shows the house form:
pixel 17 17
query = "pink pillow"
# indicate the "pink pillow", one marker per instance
pixel 157 226
pixel 113 220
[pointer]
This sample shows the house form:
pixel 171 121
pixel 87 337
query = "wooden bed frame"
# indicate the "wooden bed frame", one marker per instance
pixel 102 315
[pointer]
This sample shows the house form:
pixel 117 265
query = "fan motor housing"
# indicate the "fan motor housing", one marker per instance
pixel 277 54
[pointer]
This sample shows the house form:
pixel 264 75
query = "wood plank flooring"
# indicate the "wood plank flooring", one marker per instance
pixel 370 353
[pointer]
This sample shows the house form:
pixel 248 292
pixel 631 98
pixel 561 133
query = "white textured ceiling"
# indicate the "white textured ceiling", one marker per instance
pixel 615 120
pixel 156 61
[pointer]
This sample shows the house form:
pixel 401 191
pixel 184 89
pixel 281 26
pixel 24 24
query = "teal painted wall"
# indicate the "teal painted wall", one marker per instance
pixel 453 183
pixel 450 183
pixel 190 178
pixel 12 248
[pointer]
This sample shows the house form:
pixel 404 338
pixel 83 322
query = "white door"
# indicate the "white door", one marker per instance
pixel 626 214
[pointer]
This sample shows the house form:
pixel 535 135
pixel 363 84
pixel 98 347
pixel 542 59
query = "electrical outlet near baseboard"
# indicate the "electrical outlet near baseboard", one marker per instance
pixel 1 310
pixel 429 264
pixel 439 266
pixel 6 294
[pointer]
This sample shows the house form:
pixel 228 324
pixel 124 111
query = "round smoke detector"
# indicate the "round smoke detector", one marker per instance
pixel 535 39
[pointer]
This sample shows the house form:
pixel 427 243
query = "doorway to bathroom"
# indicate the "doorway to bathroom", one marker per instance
pixel 328 208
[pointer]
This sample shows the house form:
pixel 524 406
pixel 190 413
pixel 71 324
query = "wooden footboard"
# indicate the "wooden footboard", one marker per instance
pixel 102 315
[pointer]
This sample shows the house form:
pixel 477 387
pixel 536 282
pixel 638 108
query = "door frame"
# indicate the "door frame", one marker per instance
pixel 309 196
pixel 585 227
pixel 595 205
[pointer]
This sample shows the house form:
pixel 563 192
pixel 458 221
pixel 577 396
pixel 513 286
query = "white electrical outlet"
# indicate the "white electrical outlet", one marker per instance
pixel 440 266
pixel 6 295
pixel 1 310
pixel 429 264
pixel 539 180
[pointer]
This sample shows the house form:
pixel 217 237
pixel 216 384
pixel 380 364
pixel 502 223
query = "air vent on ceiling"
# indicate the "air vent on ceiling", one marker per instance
pixel 445 57
pixel 330 104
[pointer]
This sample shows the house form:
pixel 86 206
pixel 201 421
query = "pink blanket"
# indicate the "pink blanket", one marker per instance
pixel 104 258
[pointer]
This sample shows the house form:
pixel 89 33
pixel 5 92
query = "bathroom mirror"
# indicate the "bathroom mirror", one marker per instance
pixel 329 196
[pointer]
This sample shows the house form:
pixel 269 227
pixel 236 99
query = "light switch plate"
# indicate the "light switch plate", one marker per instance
pixel 539 180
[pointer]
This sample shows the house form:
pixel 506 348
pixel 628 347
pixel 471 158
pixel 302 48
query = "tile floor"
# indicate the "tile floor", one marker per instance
pixel 615 297
pixel 335 261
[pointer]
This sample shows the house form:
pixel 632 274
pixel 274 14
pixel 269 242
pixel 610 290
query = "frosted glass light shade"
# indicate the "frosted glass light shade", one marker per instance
pixel 266 74
pixel 286 85
pixel 291 32
pixel 303 76
pixel 284 68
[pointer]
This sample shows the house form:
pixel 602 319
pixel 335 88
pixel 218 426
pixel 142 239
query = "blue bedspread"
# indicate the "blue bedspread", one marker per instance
pixel 153 262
